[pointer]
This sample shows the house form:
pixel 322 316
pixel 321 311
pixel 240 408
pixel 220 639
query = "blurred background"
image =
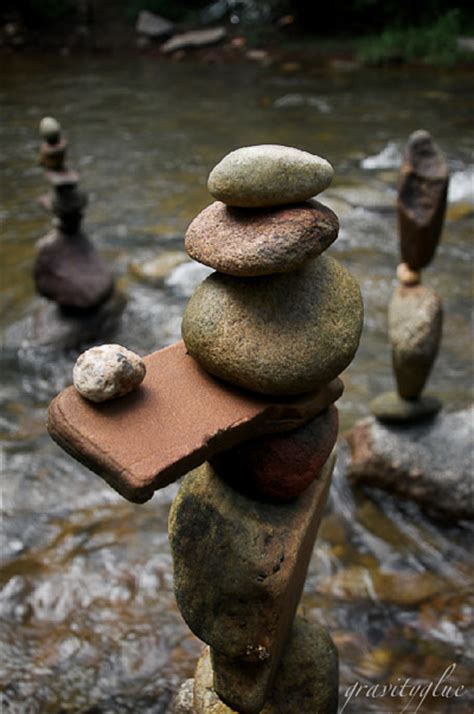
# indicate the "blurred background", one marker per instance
pixel 89 620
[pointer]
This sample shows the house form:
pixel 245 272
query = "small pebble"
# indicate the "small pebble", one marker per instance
pixel 108 371
pixel 50 130
pixel 407 276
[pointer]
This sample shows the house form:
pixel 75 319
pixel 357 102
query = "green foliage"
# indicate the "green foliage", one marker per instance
pixel 435 43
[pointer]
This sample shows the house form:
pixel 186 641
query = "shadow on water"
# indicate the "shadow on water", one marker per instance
pixel 89 618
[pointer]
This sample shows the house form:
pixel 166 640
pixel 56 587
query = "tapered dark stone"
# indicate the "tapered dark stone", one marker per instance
pixel 422 192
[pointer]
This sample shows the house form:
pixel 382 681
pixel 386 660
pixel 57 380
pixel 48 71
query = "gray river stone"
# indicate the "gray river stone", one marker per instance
pixel 268 175
pixel 415 318
pixel 278 334
pixel 430 462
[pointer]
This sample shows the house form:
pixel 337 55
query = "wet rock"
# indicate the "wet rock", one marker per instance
pixel 156 270
pixel 422 192
pixel 194 39
pixel 306 680
pixel 69 271
pixel 390 408
pixel 415 318
pixel 279 334
pixel 430 462
pixel 239 569
pixel 183 703
pixel 280 467
pixel 52 156
pixel 120 440
pixel 152 25
pixel 268 175
pixel 55 326
pixel 251 242
pixel 108 371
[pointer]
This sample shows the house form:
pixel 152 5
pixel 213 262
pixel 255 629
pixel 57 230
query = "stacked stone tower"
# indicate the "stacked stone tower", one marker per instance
pixel 280 318
pixel 248 403
pixel 415 311
pixel 68 269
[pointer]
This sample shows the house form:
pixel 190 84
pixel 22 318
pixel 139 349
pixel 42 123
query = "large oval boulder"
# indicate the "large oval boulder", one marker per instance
pixel 278 334
pixel 250 242
pixel 268 175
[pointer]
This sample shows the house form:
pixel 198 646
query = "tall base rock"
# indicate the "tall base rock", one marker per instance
pixel 306 681
pixel 239 570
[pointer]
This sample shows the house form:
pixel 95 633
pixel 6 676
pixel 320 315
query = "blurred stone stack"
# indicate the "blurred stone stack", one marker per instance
pixel 68 269
pixel 415 312
pixel 276 318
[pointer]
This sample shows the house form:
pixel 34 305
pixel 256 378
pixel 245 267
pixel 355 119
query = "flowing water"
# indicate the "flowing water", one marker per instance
pixel 89 618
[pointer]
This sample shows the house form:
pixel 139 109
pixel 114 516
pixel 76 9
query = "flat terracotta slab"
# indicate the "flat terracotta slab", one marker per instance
pixel 176 420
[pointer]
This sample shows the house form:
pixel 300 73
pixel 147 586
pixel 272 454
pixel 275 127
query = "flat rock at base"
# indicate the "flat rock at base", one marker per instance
pixel 239 570
pixel 69 271
pixel 276 334
pixel 390 408
pixel 430 462
pixel 193 39
pixel 280 467
pixel 307 678
pixel 268 175
pixel 177 419
pixel 422 192
pixel 415 317
pixel 248 242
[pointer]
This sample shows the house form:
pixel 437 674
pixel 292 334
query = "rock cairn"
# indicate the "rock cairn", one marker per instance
pixel 415 311
pixel 68 269
pixel 279 318
pixel 248 403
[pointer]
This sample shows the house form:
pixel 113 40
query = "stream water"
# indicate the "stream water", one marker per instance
pixel 89 620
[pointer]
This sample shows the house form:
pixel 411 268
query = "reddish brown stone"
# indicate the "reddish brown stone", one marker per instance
pixel 178 418
pixel 279 468
pixel 422 193
pixel 260 241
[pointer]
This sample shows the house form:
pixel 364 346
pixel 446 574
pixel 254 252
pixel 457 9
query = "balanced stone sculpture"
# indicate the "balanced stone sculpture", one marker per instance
pixel 68 269
pixel 248 403
pixel 415 311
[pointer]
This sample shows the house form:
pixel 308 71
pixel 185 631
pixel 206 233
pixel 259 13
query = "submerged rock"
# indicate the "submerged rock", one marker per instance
pixel 268 175
pixel 107 372
pixel 415 316
pixel 306 682
pixel 278 334
pixel 430 462
pixel 422 193
pixel 250 242
pixel 239 569
pixel 155 270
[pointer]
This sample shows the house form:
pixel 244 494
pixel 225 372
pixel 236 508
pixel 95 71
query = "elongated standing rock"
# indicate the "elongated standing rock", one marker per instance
pixel 238 587
pixel 423 188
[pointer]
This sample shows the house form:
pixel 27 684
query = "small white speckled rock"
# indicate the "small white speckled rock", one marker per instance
pixel 268 175
pixel 107 372
pixel 50 129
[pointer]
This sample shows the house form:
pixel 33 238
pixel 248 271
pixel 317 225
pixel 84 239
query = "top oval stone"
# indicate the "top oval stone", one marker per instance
pixel 268 175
